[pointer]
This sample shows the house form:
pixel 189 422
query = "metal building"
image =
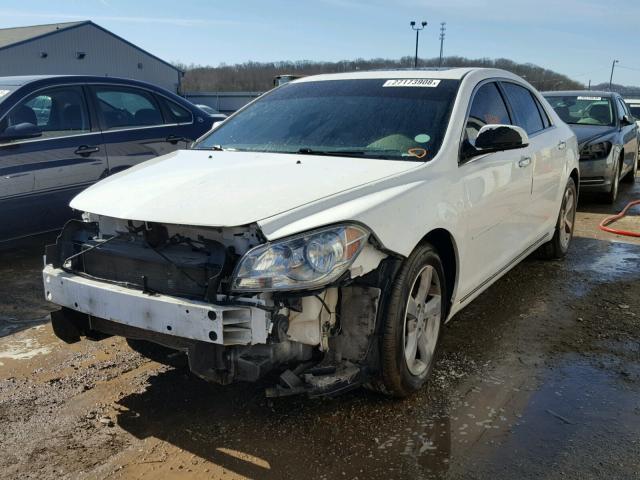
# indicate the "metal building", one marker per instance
pixel 80 48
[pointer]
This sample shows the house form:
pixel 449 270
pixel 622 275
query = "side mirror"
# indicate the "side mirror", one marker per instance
pixel 497 138
pixel 21 131
pixel 626 120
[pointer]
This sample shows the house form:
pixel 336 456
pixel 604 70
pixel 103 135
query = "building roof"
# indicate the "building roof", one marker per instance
pixel 10 36
pixel 14 36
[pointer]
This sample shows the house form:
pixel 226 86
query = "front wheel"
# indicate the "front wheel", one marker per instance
pixel 413 323
pixel 558 246
pixel 631 176
pixel 612 195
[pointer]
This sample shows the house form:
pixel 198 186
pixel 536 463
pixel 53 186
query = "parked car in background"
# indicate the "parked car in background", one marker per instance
pixel 310 232
pixel 633 104
pixel 212 112
pixel 60 134
pixel 607 136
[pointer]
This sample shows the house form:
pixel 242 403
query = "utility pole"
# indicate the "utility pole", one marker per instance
pixel 613 65
pixel 589 87
pixel 417 29
pixel 442 30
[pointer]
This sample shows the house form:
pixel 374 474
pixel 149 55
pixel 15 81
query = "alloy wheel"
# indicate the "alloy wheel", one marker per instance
pixel 422 321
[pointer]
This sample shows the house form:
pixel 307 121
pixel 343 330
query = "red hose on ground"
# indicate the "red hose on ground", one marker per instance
pixel 613 218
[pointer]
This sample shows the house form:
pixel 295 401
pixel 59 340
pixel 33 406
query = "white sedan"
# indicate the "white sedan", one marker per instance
pixel 326 231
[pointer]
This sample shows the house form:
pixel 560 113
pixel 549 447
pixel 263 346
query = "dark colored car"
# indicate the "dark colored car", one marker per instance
pixel 60 134
pixel 212 112
pixel 607 137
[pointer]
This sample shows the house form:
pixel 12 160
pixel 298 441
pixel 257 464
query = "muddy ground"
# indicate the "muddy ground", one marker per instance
pixel 539 378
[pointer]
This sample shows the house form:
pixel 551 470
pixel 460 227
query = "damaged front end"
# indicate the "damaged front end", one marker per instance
pixel 239 306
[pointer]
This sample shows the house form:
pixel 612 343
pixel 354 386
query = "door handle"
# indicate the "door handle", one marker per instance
pixel 562 145
pixel 173 139
pixel 86 150
pixel 524 162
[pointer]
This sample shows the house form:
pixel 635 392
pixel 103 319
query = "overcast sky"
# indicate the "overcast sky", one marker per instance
pixel 579 38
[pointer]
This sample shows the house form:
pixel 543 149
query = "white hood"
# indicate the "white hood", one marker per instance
pixel 209 188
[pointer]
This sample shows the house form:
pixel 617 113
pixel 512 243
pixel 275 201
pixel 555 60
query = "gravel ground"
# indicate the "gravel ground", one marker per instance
pixel 538 378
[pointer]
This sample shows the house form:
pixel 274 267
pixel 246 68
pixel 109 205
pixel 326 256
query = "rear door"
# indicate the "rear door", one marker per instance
pixel 547 153
pixel 134 125
pixel 39 176
pixel 497 189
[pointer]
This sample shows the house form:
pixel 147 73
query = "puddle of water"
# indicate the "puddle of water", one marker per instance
pixel 580 415
pixel 23 349
pixel 609 260
pixel 12 325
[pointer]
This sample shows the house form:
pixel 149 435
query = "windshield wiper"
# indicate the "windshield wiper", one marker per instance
pixel 348 153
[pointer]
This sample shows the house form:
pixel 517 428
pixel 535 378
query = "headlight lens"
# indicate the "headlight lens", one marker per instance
pixel 306 261
pixel 595 151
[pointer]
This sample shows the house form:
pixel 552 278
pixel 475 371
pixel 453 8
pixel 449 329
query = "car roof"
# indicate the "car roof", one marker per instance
pixel 585 93
pixel 434 73
pixel 57 79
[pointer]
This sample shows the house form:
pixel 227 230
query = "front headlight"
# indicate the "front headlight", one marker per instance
pixel 595 151
pixel 307 261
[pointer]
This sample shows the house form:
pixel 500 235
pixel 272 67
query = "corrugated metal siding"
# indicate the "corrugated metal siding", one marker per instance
pixel 105 55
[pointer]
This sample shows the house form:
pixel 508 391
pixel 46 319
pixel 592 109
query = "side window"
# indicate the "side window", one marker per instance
pixel 177 113
pixel 487 108
pixel 622 109
pixel 123 107
pixel 57 112
pixel 524 108
pixel 545 118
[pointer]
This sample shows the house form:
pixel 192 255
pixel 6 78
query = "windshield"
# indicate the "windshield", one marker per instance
pixel 634 108
pixel 583 109
pixel 372 118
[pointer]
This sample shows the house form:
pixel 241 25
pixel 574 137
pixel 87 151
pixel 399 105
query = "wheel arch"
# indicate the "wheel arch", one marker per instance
pixel 444 243
pixel 575 174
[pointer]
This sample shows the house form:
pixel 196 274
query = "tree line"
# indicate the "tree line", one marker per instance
pixel 258 76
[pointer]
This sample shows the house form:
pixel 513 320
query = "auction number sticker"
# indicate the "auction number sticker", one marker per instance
pixel 3 93
pixel 590 98
pixel 412 82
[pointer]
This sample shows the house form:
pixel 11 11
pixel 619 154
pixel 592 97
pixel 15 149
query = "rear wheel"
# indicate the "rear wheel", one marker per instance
pixel 413 323
pixel 558 246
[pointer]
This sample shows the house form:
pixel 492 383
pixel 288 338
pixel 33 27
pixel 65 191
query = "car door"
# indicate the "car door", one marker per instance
pixel 547 152
pixel 133 125
pixel 629 132
pixel 497 192
pixel 40 175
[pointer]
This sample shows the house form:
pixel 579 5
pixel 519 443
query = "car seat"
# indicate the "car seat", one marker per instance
pixel 601 113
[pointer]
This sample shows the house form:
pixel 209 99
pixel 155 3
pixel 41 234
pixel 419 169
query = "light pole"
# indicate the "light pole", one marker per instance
pixel 442 30
pixel 417 29
pixel 613 65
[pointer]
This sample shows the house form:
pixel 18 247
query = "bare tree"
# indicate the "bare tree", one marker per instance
pixel 258 76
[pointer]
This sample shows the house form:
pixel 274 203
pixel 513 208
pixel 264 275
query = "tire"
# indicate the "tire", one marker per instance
pixel 612 195
pixel 630 177
pixel 407 318
pixel 558 246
